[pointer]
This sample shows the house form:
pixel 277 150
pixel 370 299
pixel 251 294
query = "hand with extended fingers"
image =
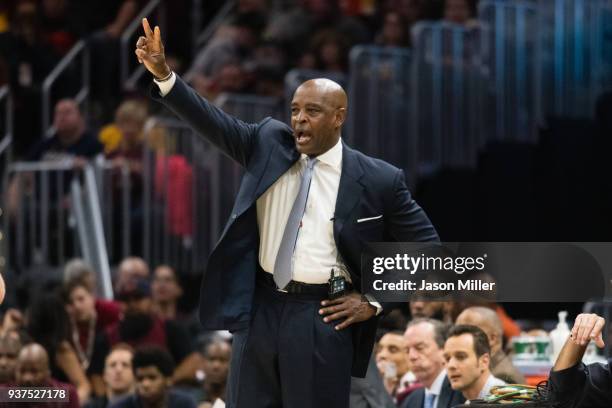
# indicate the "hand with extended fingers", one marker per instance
pixel 352 308
pixel 587 327
pixel 150 51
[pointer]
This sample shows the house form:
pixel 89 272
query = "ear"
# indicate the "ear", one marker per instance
pixel 484 360
pixel 340 117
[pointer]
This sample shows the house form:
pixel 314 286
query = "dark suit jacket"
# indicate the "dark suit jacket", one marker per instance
pixel 581 386
pixel 448 397
pixel 368 188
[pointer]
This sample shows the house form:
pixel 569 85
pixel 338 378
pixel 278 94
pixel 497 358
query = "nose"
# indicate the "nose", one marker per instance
pixel 300 117
pixel 412 354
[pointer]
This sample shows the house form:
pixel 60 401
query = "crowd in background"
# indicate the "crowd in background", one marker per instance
pixel 65 336
pixel 250 52
pixel 146 345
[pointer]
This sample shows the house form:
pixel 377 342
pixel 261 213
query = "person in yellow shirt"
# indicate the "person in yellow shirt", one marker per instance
pixel 127 130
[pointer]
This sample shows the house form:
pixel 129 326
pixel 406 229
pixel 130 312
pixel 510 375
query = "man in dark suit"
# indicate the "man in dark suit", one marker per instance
pixel 306 204
pixel 425 340
pixel 573 384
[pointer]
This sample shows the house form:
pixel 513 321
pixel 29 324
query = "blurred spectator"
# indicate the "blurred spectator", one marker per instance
pixel 71 140
pixel 153 369
pixel 118 376
pixel 124 147
pixel 166 292
pixel 459 11
pixel 125 136
pixel 392 360
pixel 59 30
pixel 487 320
pixel 33 371
pixel 296 25
pixel 88 330
pixel 139 326
pixel 10 345
pixel 102 23
pixel 49 325
pixel 4 15
pixel 111 16
pixel 28 59
pixel 129 269
pixel 78 268
pixel 11 321
pixel 220 66
pixel 467 356
pixel 331 51
pixel 410 10
pixel 395 31
pixel 425 308
pixel 425 339
pixel 215 364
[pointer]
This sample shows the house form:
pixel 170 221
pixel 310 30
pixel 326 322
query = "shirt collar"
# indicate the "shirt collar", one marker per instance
pixel 332 157
pixel 436 386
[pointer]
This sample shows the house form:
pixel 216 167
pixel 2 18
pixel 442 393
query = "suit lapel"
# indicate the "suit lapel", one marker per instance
pixel 280 160
pixel 349 190
pixel 446 393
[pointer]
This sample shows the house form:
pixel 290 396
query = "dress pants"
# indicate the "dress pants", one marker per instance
pixel 288 356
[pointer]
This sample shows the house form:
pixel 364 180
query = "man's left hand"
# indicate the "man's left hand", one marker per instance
pixel 352 307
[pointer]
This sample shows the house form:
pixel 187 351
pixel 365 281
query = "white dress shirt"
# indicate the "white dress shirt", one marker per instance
pixel 315 251
pixel 436 387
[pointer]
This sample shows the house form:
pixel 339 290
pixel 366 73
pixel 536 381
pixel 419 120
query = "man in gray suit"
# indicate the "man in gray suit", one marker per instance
pixel 425 339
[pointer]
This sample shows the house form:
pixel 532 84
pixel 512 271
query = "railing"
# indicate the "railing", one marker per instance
pixel 447 94
pixel 575 64
pixel 119 203
pixel 7 139
pixel 5 159
pixel 86 205
pixel 250 108
pixel 216 22
pixel 128 76
pixel 188 189
pixel 51 218
pixel 79 49
pixel 380 78
pixel 512 79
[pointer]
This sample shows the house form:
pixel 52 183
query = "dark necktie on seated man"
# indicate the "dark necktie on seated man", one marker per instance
pixel 283 266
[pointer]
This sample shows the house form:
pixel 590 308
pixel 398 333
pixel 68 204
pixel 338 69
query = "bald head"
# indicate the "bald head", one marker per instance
pixel 318 111
pixel 129 269
pixel 32 366
pixel 487 320
pixel 330 90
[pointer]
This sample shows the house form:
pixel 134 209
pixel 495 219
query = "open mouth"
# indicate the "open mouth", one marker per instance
pixel 302 137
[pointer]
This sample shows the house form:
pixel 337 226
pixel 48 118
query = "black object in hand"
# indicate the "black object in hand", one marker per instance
pixel 337 285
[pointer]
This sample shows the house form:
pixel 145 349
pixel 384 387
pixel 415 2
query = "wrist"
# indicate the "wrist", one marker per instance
pixel 164 76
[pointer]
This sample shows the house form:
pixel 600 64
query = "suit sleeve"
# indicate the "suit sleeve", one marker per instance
pixel 406 220
pixel 581 386
pixel 232 136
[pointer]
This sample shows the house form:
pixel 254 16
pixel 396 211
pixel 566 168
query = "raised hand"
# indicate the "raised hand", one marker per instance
pixel 150 51
pixel 588 327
